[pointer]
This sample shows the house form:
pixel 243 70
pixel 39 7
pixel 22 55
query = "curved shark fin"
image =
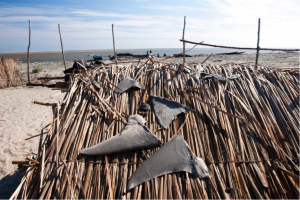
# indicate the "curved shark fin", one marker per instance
pixel 175 156
pixel 127 83
pixel 166 110
pixel 220 78
pixel 133 136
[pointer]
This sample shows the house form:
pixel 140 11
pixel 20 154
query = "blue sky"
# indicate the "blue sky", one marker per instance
pixel 86 25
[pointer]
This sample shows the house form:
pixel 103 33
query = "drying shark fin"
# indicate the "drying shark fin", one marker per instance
pixel 234 76
pixel 166 110
pixel 133 136
pixel 220 78
pixel 175 156
pixel 127 83
pixel 197 75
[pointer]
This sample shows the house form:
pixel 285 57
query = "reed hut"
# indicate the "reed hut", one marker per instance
pixel 245 129
pixel 9 73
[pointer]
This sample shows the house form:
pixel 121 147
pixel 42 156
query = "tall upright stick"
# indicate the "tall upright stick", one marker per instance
pixel 113 35
pixel 257 51
pixel 62 47
pixel 28 54
pixel 183 42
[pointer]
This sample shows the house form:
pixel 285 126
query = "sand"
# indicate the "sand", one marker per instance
pixel 280 60
pixel 20 118
pixel 54 69
pixel 273 60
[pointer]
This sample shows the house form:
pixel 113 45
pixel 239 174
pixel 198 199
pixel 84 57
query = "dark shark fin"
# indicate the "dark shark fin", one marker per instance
pixel 166 110
pixel 133 136
pixel 127 83
pixel 175 156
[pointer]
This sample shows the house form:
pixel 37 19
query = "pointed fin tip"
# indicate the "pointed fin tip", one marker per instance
pixel 166 110
pixel 175 156
pixel 126 84
pixel 133 136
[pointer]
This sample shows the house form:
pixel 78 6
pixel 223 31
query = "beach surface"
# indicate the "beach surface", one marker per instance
pixel 277 60
pixel 20 118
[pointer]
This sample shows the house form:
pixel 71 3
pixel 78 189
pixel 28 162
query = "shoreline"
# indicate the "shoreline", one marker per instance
pixel 272 60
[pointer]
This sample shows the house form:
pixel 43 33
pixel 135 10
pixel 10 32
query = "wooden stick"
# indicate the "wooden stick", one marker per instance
pixel 179 53
pixel 295 176
pixel 257 50
pixel 42 168
pixel 183 42
pixel 28 54
pixel 207 58
pixel 194 88
pixel 55 95
pixel 113 35
pixel 42 78
pixel 231 47
pixel 69 180
pixel 15 194
pixel 62 48
pixel 215 107
pixel 20 162
pixel 32 160
pixel 44 104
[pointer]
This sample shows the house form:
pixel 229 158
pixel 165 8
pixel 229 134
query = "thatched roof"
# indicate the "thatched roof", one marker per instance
pixel 246 131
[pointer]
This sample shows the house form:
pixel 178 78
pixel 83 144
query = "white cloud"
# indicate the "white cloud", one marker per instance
pixel 176 8
pixel 223 22
pixel 279 20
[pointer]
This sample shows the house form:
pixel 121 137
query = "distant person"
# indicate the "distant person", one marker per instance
pixel 165 55
pixel 157 55
pixel 150 51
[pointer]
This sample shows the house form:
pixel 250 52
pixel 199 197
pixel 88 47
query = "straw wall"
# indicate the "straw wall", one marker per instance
pixel 246 130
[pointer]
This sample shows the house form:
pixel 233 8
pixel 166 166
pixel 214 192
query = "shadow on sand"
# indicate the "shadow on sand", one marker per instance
pixel 9 184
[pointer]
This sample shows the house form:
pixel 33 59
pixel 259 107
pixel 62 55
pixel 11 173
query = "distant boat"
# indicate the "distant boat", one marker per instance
pixel 231 53
pixel 141 56
pixel 97 57
pixel 124 54
pixel 291 51
pixel 181 55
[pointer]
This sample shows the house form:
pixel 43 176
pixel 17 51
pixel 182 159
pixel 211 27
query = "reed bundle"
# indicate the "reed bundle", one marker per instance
pixel 9 73
pixel 246 130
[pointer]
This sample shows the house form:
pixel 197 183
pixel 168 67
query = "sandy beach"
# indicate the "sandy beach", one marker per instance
pixel 280 60
pixel 20 118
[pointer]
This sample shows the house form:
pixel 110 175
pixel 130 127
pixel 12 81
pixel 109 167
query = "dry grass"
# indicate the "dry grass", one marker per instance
pixel 9 73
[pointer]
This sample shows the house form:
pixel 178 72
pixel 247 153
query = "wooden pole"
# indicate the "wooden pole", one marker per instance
pixel 231 47
pixel 28 54
pixel 62 47
pixel 183 42
pixel 113 35
pixel 257 51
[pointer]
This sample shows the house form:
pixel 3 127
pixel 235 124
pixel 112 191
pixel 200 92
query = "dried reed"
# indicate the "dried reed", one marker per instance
pixel 246 130
pixel 9 73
